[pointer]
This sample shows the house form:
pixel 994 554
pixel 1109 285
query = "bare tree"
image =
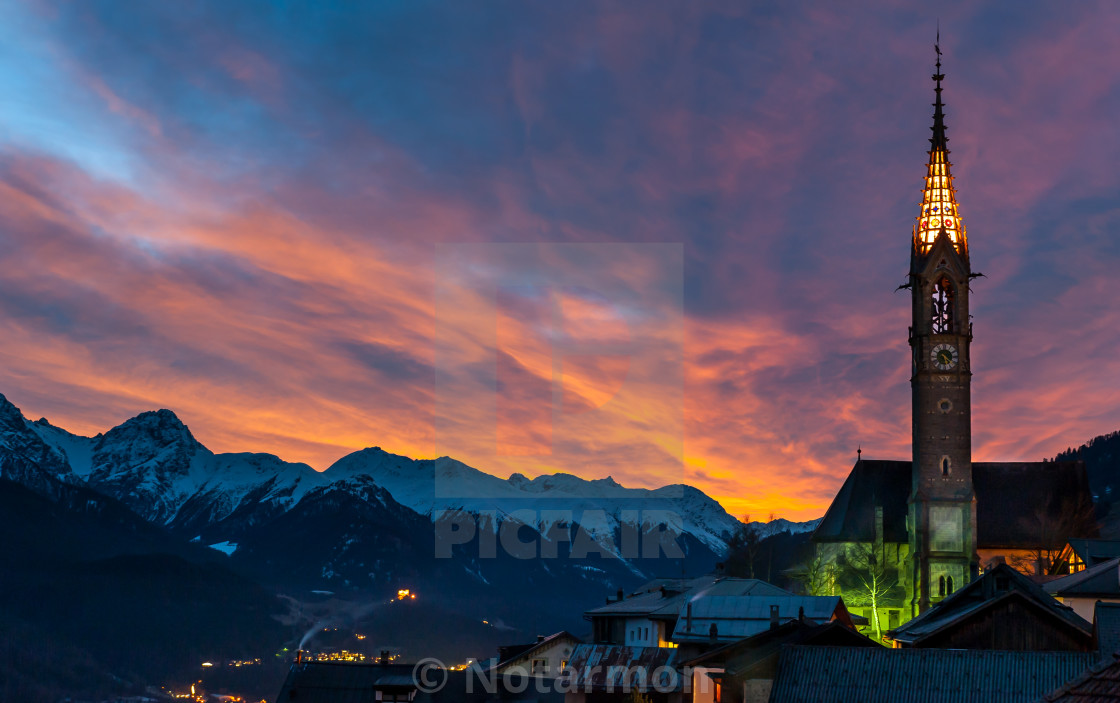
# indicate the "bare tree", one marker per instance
pixel 1050 528
pixel 816 574
pixel 871 578
pixel 742 549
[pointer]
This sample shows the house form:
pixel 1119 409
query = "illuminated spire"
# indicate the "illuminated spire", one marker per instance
pixel 939 203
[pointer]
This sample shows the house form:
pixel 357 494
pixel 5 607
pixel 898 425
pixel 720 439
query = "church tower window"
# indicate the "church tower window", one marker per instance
pixel 942 305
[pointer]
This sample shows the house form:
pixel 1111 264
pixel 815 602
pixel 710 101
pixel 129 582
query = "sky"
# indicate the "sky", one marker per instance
pixel 653 241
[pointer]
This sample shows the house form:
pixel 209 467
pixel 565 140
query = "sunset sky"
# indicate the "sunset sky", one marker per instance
pixel 656 241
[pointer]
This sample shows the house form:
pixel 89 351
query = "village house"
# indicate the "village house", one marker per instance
pixel 1083 589
pixel 1004 610
pixel 547 657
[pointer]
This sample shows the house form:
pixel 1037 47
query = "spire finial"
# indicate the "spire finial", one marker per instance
pixel 859 452
pixel 939 207
pixel 938 139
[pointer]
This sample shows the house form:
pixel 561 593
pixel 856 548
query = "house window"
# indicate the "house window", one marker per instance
pixel 941 587
pixel 949 585
pixel 540 667
pixel 892 619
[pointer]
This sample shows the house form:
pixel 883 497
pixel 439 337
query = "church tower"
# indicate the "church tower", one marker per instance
pixel 942 508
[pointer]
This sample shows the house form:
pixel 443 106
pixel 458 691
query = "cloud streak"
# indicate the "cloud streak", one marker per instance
pixel 240 213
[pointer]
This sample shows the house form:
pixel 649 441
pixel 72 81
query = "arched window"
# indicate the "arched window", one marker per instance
pixel 945 466
pixel 949 585
pixel 942 306
pixel 941 587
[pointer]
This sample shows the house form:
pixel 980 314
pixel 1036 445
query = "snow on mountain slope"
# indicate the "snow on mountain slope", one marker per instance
pixel 76 450
pixel 600 505
pixel 154 465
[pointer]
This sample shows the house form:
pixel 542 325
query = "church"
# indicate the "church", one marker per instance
pixel 901 535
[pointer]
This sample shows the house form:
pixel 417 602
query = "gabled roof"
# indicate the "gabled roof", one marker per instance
pixel 1100 684
pixel 851 517
pixel 736 617
pixel 514 653
pixel 1094 551
pixel 615 667
pixel 1106 627
pixel 1100 580
pixel 880 675
pixel 739 658
pixel 1007 495
pixel 664 601
pixel 993 589
pixel 344 682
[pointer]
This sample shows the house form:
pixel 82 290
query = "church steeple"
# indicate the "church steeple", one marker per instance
pixel 942 520
pixel 939 212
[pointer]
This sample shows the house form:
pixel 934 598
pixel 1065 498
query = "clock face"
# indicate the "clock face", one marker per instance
pixel 944 356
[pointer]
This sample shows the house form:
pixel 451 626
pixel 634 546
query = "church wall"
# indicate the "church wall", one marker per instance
pixel 894 606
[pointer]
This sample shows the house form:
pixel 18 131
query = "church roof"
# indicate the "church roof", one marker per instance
pixel 1010 496
pixel 851 517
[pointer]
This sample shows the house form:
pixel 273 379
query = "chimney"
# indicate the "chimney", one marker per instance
pixel 720 569
pixel 383 660
pixel 713 633
pixel 540 638
pixel 620 595
pixel 773 617
pixel 801 613
pixel 299 657
pixel 688 618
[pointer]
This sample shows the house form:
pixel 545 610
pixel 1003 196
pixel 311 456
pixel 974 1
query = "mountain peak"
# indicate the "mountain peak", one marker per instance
pixel 8 412
pixel 162 423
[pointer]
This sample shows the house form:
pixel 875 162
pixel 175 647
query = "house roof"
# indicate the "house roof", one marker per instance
pixel 994 588
pixel 1094 551
pixel 344 682
pixel 1006 494
pixel 736 617
pixel 661 601
pixel 1099 684
pixel 880 675
pixel 516 652
pixel 739 657
pixel 1106 627
pixel 618 668
pixel 1100 580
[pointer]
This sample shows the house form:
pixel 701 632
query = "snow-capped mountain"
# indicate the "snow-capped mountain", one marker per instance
pixel 600 506
pixel 155 466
